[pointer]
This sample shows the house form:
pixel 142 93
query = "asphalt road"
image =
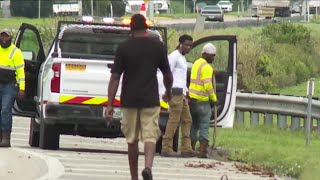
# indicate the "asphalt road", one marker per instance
pixel 82 158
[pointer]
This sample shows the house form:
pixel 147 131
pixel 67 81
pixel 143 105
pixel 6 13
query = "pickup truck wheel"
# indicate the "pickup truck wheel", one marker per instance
pixel 175 145
pixel 34 133
pixel 49 136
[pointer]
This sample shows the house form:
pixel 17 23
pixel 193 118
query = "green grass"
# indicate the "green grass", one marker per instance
pixel 283 151
pixel 14 23
pixel 300 89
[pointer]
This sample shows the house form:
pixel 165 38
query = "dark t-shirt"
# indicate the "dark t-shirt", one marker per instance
pixel 139 59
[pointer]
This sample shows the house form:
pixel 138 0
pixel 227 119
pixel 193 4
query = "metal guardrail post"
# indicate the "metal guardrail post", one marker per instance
pixel 268 119
pixel 282 121
pixel 305 124
pixel 318 125
pixel 240 117
pixel 295 123
pixel 285 105
pixel 310 90
pixel 254 119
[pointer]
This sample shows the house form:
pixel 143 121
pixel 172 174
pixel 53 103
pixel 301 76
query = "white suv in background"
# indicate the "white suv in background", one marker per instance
pixel 226 6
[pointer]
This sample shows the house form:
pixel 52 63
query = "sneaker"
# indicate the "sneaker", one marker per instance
pixel 146 174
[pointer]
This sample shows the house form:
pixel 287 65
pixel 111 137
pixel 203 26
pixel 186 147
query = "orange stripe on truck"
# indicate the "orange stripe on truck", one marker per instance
pixel 87 100
pixel 96 101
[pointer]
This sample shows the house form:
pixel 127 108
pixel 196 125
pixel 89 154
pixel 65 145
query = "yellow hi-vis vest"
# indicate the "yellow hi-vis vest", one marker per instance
pixel 201 87
pixel 12 57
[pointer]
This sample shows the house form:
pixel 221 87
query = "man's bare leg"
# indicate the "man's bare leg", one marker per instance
pixel 149 152
pixel 133 156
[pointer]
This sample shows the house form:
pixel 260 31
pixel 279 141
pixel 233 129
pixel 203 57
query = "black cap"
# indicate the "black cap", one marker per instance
pixel 138 22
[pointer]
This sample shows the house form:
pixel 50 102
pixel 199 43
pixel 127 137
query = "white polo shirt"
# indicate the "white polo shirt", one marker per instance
pixel 178 66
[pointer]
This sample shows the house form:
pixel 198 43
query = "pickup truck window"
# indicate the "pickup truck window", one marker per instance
pixel 94 44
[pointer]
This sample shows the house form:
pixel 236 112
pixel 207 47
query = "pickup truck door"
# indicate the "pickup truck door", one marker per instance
pixel 29 41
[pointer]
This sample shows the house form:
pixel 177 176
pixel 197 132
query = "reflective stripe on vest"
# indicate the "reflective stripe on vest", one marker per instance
pixel 198 81
pixel 11 57
pixel 12 52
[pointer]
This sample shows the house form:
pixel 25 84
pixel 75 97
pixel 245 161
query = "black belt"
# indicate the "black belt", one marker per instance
pixel 176 91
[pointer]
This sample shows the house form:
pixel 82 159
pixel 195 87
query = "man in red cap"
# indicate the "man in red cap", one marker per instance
pixel 139 59
pixel 12 81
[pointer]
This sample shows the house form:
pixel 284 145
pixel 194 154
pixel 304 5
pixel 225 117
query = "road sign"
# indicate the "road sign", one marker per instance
pixel 265 12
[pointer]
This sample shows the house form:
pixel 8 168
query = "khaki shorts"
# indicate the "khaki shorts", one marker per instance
pixel 141 124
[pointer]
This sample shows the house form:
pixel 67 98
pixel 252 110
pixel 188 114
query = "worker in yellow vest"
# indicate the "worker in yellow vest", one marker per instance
pixel 201 94
pixel 12 83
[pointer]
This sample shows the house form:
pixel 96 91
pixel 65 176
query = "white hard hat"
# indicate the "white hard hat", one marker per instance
pixel 209 49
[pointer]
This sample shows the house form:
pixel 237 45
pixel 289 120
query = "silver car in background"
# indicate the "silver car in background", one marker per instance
pixel 212 13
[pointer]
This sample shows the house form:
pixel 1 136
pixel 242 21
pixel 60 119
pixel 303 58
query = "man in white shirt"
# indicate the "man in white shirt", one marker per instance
pixel 178 105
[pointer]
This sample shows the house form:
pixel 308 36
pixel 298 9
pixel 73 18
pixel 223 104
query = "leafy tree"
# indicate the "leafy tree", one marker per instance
pixel 30 8
pixel 102 7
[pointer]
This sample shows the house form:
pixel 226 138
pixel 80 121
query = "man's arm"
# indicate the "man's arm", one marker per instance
pixel 112 90
pixel 113 87
pixel 116 71
pixel 167 81
pixel 172 61
pixel 207 80
pixel 18 61
pixel 167 74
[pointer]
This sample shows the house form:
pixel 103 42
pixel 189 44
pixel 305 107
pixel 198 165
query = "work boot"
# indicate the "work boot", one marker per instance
pixel 169 154
pixel 203 149
pixel 186 148
pixel 166 144
pixel 5 140
pixel 189 154
pixel 193 144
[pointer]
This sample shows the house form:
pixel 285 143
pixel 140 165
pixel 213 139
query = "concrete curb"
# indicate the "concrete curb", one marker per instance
pixel 55 167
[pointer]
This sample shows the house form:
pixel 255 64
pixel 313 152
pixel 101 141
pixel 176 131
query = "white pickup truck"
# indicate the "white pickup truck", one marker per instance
pixel 66 90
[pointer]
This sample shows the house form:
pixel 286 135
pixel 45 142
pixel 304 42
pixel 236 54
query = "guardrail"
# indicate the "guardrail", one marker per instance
pixel 286 111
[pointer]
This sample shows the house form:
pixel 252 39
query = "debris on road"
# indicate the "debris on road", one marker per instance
pixel 199 164
pixel 255 169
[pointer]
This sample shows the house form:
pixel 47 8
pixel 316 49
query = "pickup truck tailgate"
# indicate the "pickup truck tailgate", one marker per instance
pixel 85 81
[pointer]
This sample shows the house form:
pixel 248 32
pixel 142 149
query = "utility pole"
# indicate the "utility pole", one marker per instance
pixel 6 9
pixel 92 8
pixel 39 9
pixel 151 10
pixel 80 7
pixel 242 8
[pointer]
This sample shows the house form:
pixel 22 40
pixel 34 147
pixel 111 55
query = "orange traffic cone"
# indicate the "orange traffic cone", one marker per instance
pixel 143 10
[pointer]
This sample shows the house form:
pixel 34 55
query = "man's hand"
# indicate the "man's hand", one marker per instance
pixel 21 94
pixel 109 114
pixel 166 97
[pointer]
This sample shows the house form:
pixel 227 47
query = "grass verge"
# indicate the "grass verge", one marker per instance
pixel 283 151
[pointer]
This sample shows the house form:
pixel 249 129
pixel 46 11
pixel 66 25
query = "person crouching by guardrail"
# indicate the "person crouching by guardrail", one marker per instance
pixel 12 83
pixel 179 110
pixel 201 92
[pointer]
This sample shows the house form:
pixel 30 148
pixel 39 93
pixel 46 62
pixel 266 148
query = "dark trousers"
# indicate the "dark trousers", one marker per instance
pixel 8 94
